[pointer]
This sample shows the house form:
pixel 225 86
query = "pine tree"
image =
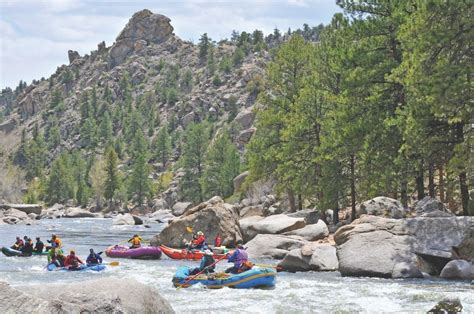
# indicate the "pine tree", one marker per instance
pixel 204 44
pixel 106 130
pixel 222 165
pixel 195 145
pixel 140 184
pixel 112 174
pixel 163 146
pixel 59 187
pixel 89 133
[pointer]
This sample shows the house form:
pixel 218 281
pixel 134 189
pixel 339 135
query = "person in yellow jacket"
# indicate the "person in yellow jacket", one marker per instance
pixel 136 241
pixel 55 242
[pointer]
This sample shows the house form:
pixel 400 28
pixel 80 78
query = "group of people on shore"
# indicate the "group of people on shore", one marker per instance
pixel 239 257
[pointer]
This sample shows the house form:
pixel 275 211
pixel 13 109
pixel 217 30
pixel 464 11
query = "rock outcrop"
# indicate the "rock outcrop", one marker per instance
pixel 181 207
pixel 313 256
pixel 144 27
pixel 430 207
pixel 26 208
pixel 373 246
pixel 273 245
pixel 312 232
pixel 212 217
pixel 238 180
pixel 384 207
pixel 107 295
pixel 124 219
pixel 447 305
pixel 13 216
pixel 275 224
pixel 76 212
pixel 458 269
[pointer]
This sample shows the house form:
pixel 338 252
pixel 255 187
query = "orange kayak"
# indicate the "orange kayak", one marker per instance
pixel 185 254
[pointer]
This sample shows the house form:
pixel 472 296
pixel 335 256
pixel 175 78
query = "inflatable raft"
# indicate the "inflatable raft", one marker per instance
pixel 11 252
pixel 188 254
pixel 255 278
pixel 53 267
pixel 144 252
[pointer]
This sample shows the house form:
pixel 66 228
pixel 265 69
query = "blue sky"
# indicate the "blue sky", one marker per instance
pixel 35 35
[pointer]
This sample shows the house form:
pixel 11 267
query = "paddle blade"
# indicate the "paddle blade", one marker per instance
pixel 115 263
pixel 189 229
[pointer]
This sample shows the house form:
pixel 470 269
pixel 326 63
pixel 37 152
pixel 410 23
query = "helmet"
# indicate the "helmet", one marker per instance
pixel 38 238
pixel 72 252
pixel 135 235
pixel 207 252
pixel 53 236
pixel 200 233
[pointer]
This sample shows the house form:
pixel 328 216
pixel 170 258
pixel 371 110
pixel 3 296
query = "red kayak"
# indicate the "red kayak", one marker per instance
pixel 186 254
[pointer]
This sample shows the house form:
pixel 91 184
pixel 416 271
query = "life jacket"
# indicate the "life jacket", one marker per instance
pixel 247 265
pixel 241 257
pixel 217 241
pixel 136 241
pixel 200 241
pixel 72 261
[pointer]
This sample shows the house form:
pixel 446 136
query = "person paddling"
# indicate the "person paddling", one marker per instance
pixel 55 241
pixel 72 261
pixel 93 258
pixel 27 249
pixel 207 264
pixel 39 246
pixel 239 258
pixel 136 241
pixel 55 256
pixel 18 244
pixel 198 242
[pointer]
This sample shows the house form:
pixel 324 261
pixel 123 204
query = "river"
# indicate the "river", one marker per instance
pixel 299 292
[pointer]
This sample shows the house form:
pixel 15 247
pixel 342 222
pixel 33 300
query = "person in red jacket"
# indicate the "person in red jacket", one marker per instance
pixel 218 241
pixel 198 242
pixel 72 261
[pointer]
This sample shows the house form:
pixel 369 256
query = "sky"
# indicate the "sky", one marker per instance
pixel 35 35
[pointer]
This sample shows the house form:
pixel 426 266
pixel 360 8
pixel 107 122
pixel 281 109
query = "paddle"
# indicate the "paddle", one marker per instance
pixel 114 263
pixel 269 266
pixel 220 259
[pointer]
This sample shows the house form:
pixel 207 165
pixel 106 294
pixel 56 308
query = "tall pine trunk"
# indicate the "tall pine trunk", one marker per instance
pixel 291 200
pixel 431 183
pixel 441 183
pixel 353 189
pixel 420 187
pixel 463 185
pixel 300 202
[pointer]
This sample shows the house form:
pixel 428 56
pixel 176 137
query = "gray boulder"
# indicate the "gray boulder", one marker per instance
pixel 181 207
pixel 107 295
pixel 188 119
pixel 406 270
pixel 123 219
pixel 248 233
pixel 447 305
pixel 212 217
pixel 310 216
pixel 273 245
pixel 372 246
pixel 76 212
pixel 137 220
pixel 159 204
pixel 55 211
pixel 253 210
pixel 458 269
pixel 26 208
pixel 13 216
pixel 382 206
pixel 465 250
pixel 245 136
pixel 430 207
pixel 312 256
pixel 245 118
pixel 278 224
pixel 162 216
pixel 312 232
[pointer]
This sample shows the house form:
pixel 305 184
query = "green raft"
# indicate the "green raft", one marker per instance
pixel 11 252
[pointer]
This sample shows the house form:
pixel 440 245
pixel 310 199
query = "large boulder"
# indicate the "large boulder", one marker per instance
pixel 123 219
pixel 245 118
pixel 384 207
pixel 13 216
pixel 143 27
pixel 76 212
pixel 252 210
pixel 447 305
pixel 431 207
pixel 465 250
pixel 312 232
pixel 372 246
pixel 314 256
pixel 107 295
pixel 458 269
pixel 246 224
pixel 310 216
pixel 55 211
pixel 26 208
pixel 278 224
pixel 161 216
pixel 273 245
pixel 406 270
pixel 181 207
pixel 212 217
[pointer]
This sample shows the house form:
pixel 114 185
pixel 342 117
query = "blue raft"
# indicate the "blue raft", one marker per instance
pixel 255 278
pixel 100 267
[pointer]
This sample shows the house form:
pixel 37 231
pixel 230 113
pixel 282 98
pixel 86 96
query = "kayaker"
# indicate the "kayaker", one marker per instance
pixel 56 257
pixel 239 257
pixel 93 258
pixel 55 241
pixel 18 244
pixel 39 246
pixel 198 242
pixel 136 241
pixel 27 249
pixel 206 261
pixel 72 261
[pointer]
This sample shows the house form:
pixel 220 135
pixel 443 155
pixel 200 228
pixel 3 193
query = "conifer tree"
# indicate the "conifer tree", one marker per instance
pixel 163 145
pixel 140 184
pixel 112 174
